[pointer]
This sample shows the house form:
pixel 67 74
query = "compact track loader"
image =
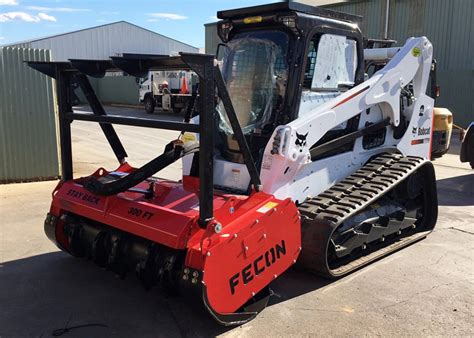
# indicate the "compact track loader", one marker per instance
pixel 296 157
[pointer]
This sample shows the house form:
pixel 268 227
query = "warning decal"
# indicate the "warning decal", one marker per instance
pixel 267 207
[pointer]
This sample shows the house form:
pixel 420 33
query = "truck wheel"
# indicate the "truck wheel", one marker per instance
pixel 470 150
pixel 149 105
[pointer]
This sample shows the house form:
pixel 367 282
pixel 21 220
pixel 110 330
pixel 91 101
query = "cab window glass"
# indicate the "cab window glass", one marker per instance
pixel 331 63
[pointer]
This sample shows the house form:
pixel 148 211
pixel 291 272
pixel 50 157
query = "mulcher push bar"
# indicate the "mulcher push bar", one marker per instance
pixel 98 110
pixel 171 154
pixel 138 65
pixel 134 121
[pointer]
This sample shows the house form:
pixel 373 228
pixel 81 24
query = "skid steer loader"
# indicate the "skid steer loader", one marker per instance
pixel 295 157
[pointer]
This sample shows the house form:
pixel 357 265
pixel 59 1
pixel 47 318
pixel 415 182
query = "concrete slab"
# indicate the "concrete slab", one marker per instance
pixel 425 289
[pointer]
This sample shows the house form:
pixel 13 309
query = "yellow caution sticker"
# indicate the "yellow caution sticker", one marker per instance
pixel 189 137
pixel 416 52
pixel 267 207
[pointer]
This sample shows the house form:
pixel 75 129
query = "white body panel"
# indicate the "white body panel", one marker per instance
pixel 226 174
pixel 290 172
pixel 144 88
pixel 380 54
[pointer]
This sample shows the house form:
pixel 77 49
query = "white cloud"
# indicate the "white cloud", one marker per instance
pixel 152 20
pixel 44 16
pixel 2 38
pixel 213 17
pixel 26 17
pixel 168 16
pixel 8 2
pixel 20 16
pixel 57 9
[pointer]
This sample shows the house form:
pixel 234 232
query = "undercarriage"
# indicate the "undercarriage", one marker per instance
pixel 389 203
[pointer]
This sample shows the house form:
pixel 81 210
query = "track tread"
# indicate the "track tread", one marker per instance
pixel 351 195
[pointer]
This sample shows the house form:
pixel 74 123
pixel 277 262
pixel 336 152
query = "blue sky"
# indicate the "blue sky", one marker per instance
pixel 179 19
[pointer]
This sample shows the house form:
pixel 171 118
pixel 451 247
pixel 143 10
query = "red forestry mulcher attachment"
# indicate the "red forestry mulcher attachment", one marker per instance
pixel 169 233
pixel 287 157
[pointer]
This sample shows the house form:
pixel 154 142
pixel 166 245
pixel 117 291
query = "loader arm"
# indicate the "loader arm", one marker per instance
pixel 286 150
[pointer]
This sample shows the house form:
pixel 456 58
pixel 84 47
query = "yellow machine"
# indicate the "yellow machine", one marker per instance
pixel 442 130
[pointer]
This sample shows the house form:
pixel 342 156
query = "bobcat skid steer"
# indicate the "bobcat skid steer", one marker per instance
pixel 294 158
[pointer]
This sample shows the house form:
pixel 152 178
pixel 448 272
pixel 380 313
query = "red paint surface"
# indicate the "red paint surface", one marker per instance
pixel 175 212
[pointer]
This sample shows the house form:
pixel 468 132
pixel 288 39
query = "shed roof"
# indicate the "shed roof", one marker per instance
pixel 91 28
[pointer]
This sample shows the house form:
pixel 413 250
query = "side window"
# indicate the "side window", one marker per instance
pixel 331 63
pixel 310 62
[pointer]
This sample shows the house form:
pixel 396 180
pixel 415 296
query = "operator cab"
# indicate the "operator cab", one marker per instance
pixel 276 59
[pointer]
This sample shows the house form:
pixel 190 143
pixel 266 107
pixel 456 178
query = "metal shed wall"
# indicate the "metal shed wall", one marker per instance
pixel 117 89
pixel 103 41
pixel 28 144
pixel 211 38
pixel 450 27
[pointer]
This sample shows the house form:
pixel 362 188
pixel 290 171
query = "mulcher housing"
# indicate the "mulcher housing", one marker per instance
pixel 279 170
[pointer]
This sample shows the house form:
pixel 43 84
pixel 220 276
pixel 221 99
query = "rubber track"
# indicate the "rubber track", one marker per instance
pixel 325 212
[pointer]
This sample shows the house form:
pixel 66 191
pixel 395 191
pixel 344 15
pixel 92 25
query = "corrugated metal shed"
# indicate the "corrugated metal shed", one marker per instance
pixel 28 147
pixel 107 40
pixel 212 39
pixel 375 10
pixel 450 27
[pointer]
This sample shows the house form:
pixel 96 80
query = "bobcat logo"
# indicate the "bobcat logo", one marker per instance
pixel 413 131
pixel 301 139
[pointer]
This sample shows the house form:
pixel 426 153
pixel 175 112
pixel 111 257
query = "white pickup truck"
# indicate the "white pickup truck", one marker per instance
pixel 170 90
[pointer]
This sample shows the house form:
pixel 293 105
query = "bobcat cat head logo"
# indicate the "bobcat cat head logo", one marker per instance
pixel 413 131
pixel 301 139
